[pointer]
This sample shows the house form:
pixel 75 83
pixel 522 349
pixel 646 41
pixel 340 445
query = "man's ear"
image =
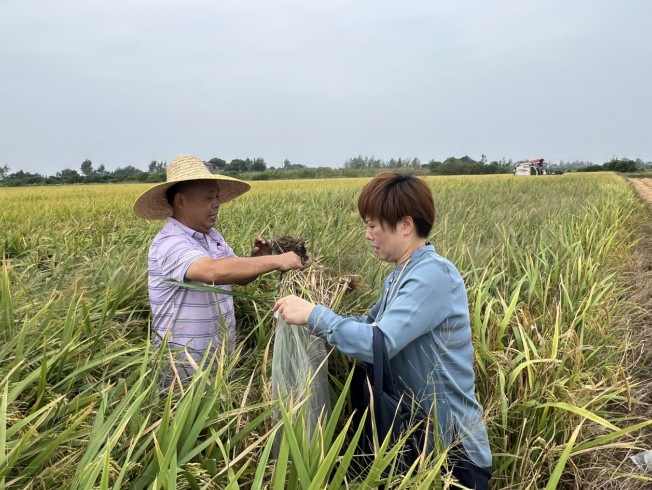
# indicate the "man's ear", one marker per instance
pixel 179 200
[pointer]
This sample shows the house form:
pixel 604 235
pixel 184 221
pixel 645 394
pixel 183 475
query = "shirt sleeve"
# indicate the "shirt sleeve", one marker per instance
pixel 423 301
pixel 229 251
pixel 174 256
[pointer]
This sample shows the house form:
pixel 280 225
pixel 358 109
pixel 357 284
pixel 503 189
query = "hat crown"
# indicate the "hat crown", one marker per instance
pixel 187 167
pixel 152 204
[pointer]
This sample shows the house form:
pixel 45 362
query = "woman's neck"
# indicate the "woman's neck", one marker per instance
pixel 410 250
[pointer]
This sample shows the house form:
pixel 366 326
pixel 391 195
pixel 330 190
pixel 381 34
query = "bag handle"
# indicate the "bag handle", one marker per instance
pixel 383 379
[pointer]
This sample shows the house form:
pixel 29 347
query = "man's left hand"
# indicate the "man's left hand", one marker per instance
pixel 261 248
pixel 295 310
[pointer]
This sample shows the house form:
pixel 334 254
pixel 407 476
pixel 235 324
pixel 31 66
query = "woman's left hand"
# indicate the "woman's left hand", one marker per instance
pixel 295 310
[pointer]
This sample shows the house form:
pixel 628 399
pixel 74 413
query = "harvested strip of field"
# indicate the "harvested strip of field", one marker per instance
pixel 644 188
pixel 546 263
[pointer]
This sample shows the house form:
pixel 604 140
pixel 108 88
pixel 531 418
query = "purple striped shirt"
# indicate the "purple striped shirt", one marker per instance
pixel 192 317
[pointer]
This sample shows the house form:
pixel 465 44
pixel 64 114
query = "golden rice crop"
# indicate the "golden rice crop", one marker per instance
pixel 545 262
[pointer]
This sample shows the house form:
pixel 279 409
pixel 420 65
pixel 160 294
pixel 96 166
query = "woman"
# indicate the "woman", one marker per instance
pixel 423 313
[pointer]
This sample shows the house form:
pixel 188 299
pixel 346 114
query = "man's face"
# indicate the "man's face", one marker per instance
pixel 197 205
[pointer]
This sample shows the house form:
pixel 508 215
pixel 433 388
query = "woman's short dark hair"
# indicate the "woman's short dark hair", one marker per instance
pixel 392 196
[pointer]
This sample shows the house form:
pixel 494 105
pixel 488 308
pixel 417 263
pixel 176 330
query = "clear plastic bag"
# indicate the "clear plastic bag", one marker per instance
pixel 643 461
pixel 297 358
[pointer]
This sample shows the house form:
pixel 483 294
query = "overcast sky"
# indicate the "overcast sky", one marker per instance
pixel 126 82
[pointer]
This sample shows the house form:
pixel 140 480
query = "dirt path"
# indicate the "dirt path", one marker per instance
pixel 644 188
pixel 640 322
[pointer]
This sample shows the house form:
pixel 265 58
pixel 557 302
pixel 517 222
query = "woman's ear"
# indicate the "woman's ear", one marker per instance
pixel 406 225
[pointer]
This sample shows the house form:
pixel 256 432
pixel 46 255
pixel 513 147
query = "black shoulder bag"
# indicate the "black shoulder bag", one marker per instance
pixel 391 413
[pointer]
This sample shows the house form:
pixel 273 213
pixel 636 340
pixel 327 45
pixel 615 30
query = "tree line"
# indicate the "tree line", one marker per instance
pixel 451 166
pixel 617 165
pixel 257 169
pixel 90 174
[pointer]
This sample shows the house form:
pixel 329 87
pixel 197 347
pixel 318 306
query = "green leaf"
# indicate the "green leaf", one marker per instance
pixel 297 456
pixel 561 464
pixel 262 463
pixel 582 412
pixel 212 289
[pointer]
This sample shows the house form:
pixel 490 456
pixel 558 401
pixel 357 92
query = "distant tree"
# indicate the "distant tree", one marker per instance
pixel 218 163
pixel 157 167
pixel 297 166
pixel 591 168
pixel 433 166
pixel 364 162
pixel 4 172
pixel 129 172
pixel 620 165
pixel 87 167
pixel 101 170
pixel 287 165
pixel 468 166
pixel 259 165
pixel 356 162
pixel 237 165
pixel 69 176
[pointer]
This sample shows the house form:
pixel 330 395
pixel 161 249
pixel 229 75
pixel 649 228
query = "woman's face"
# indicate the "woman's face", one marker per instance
pixel 388 243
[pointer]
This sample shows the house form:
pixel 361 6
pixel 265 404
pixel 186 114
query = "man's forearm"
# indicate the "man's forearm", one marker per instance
pixel 232 270
pixel 248 280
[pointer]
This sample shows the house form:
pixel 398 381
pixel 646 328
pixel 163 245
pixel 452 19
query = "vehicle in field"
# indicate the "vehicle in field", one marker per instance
pixel 535 167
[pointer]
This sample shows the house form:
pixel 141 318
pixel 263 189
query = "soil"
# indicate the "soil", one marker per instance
pixel 640 324
pixel 644 188
pixel 288 243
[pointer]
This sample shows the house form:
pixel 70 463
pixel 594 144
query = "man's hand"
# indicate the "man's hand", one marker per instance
pixel 295 310
pixel 289 261
pixel 261 248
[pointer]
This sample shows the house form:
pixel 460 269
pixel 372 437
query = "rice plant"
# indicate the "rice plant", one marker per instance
pixel 545 261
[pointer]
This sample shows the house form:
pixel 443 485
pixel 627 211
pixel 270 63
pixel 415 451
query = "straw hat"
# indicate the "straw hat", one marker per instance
pixel 153 203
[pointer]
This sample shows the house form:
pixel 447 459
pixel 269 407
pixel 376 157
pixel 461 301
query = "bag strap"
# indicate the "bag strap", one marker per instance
pixel 383 379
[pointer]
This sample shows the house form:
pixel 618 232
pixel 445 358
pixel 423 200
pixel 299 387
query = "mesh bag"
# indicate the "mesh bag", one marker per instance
pixel 300 359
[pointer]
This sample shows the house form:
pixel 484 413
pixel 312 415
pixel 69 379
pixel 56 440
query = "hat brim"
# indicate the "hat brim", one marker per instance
pixel 153 204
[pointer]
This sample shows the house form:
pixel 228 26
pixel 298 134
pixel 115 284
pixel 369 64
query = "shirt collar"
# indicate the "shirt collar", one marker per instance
pixel 193 233
pixel 422 250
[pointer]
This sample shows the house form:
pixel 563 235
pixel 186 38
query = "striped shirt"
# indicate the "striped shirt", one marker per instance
pixel 192 317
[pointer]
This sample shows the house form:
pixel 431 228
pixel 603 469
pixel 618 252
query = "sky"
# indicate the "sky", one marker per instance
pixel 126 82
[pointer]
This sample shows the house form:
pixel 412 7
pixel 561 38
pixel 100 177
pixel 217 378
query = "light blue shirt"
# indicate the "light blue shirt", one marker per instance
pixel 424 313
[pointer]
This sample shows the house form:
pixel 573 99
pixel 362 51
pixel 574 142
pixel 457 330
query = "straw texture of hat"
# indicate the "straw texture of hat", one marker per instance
pixel 153 203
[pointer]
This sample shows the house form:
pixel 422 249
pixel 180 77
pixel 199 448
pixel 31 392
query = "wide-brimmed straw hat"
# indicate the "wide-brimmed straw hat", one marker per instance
pixel 153 203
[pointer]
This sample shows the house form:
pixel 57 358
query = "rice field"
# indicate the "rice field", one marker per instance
pixel 546 263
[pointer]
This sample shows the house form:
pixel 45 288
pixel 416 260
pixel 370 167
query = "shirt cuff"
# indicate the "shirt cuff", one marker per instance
pixel 321 320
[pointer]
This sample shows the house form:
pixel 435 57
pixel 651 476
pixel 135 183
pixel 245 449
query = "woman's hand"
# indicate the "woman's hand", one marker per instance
pixel 295 310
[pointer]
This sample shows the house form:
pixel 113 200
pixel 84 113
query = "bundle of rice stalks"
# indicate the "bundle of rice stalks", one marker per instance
pixel 318 285
pixel 315 283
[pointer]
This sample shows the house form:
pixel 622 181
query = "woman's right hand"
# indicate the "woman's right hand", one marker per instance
pixel 295 310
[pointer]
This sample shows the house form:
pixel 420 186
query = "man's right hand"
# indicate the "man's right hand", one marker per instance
pixel 289 261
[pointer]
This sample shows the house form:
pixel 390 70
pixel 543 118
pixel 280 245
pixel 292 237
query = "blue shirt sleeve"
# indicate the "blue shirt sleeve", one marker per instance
pixel 423 301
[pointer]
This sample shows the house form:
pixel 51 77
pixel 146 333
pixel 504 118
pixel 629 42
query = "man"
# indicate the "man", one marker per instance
pixel 189 249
